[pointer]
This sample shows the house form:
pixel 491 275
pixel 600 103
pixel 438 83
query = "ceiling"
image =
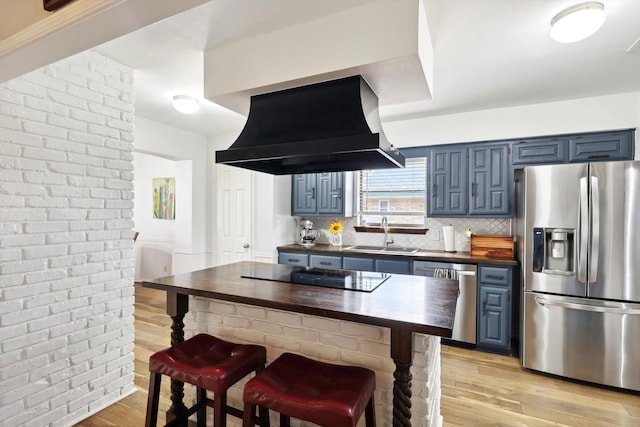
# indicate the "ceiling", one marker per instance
pixel 487 54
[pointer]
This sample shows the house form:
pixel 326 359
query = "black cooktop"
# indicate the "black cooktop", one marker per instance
pixel 364 281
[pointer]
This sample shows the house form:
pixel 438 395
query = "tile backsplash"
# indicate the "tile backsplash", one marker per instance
pixel 432 240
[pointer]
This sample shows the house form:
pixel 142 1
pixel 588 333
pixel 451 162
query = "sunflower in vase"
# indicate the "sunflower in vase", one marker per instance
pixel 335 229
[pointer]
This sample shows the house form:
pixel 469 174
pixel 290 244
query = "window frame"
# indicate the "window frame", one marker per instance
pixel 361 215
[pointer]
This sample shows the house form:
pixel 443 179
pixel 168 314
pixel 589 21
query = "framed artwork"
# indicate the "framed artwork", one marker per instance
pixel 164 198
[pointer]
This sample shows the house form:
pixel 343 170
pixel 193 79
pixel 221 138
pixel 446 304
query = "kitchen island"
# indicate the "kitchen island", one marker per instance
pixel 405 305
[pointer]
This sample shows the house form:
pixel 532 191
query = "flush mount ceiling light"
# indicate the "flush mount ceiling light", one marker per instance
pixel 577 22
pixel 186 104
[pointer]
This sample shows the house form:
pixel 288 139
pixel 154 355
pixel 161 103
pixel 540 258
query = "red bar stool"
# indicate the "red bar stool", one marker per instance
pixel 321 393
pixel 211 364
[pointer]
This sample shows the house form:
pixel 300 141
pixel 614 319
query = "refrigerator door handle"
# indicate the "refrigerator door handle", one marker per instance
pixel 583 231
pixel 618 308
pixel 595 230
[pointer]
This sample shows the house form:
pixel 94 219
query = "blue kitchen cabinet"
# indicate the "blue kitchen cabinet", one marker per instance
pixel 601 147
pixel 489 175
pixel 494 308
pixel 325 261
pixel 318 194
pixel 448 182
pixel 540 151
pixel 394 266
pixel 470 180
pixel 293 258
pixel 303 194
pixel 358 263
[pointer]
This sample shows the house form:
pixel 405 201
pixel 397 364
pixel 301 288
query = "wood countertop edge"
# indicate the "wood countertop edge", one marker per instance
pixel 422 255
pixel 295 298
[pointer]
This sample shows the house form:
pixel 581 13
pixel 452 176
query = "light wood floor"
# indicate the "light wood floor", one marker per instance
pixel 478 389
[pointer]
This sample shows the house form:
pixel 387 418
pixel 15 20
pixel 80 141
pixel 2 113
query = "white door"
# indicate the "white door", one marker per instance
pixel 233 225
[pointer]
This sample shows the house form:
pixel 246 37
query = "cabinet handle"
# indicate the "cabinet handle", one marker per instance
pixel 473 189
pixel 325 263
pixel 435 191
pixel 484 307
pixel 598 156
pixel 495 276
pixel 293 260
pixel 313 193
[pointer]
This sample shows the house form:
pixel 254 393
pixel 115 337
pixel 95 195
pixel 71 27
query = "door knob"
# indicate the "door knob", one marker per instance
pixel 246 246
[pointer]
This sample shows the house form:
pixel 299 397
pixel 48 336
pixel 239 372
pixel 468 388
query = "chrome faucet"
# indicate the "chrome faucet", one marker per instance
pixel 385 226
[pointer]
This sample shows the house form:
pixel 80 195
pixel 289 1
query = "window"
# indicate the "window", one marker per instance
pixel 399 194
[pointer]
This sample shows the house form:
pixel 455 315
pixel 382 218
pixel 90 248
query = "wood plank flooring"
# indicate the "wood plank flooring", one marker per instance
pixel 478 389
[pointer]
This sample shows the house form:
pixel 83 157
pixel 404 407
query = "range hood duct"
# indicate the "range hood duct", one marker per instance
pixel 324 127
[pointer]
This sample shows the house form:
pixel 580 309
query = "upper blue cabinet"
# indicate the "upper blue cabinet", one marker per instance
pixel 469 180
pixel 578 148
pixel 318 194
pixel 601 147
pixel 489 180
pixel 448 181
pixel 540 151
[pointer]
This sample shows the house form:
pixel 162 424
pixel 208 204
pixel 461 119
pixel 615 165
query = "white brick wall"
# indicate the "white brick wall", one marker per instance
pixel 66 241
pixel 330 340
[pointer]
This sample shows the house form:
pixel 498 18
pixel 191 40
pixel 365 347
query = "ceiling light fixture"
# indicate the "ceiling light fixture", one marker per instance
pixel 577 22
pixel 186 104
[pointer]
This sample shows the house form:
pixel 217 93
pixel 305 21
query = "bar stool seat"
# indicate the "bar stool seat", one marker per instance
pixel 209 363
pixel 322 393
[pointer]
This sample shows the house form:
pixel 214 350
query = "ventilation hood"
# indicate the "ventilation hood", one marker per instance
pixel 323 127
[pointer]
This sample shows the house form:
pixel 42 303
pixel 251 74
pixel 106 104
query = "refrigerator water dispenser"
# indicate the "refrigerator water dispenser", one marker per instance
pixel 553 250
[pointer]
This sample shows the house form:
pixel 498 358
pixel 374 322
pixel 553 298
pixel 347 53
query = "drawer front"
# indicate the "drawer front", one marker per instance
pixel 393 266
pixel 361 264
pixel 325 261
pixel 293 259
pixel 495 275
pixel 540 152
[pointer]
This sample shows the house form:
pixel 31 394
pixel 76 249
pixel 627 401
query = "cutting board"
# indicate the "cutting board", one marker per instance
pixel 492 246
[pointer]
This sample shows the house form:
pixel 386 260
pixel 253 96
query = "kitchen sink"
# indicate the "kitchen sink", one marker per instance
pixel 382 249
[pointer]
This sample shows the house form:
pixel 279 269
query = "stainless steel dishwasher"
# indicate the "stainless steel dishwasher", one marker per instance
pixel 464 323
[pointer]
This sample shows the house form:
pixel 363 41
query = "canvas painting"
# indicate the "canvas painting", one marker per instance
pixel 164 198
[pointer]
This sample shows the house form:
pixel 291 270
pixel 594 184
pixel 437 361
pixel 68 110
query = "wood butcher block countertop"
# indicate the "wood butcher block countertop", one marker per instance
pixel 410 303
pixel 421 255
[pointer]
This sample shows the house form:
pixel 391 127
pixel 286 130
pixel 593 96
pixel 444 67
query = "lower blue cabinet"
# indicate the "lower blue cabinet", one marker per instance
pixel 358 263
pixel 494 308
pixel 393 266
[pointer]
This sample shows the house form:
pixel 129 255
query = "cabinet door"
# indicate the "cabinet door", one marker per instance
pixel 489 181
pixel 448 181
pixel 540 151
pixel 393 266
pixel 303 194
pixel 293 258
pixel 494 317
pixel 601 147
pixel 330 193
pixel 325 261
pixel 360 264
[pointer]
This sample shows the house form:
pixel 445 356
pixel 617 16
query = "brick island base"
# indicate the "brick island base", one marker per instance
pixel 329 340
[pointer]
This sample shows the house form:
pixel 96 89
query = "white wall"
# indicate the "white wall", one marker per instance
pixel 66 241
pixel 155 246
pixel 609 112
pixel 189 152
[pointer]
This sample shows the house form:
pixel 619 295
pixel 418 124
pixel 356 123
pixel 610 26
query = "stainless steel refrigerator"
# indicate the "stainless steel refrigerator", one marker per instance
pixel 581 270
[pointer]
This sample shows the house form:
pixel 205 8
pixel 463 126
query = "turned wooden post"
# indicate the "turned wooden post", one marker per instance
pixel 402 354
pixel 177 307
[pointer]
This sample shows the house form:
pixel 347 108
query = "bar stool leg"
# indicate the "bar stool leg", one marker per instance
pixel 264 416
pixel 285 420
pixel 152 400
pixel 202 407
pixel 370 413
pixel 219 410
pixel 248 415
